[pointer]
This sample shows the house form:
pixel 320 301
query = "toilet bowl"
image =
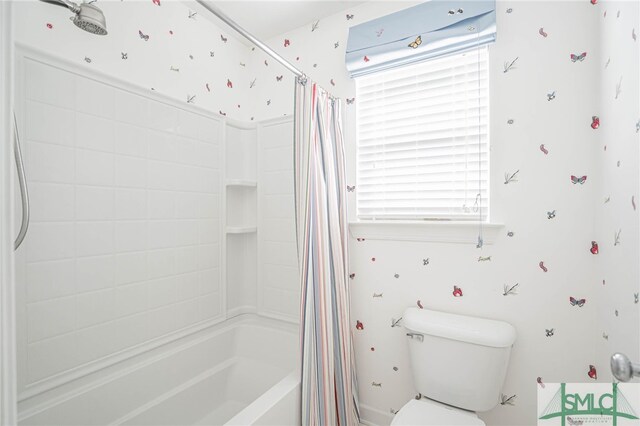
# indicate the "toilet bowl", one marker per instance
pixel 458 365
pixel 425 412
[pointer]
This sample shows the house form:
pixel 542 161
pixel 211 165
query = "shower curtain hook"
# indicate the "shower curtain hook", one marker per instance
pixel 302 79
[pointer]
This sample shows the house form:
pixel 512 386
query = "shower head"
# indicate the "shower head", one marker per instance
pixel 86 16
pixel 90 19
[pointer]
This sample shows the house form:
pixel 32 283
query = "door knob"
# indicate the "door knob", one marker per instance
pixel 622 368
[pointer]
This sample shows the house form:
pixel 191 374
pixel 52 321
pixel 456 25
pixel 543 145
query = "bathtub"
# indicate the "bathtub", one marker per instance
pixel 241 372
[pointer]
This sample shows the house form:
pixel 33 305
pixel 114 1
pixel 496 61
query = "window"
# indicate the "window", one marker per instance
pixel 423 150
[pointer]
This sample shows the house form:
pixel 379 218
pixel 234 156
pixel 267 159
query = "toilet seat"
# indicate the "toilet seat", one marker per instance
pixel 426 412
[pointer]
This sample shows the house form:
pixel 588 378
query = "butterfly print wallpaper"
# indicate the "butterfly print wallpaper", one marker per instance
pixel 158 45
pixel 550 174
pixel 564 176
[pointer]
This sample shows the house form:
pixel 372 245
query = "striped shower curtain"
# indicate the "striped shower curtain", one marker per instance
pixel 329 388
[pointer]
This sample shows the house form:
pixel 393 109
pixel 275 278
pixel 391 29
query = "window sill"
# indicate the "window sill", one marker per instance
pixel 434 232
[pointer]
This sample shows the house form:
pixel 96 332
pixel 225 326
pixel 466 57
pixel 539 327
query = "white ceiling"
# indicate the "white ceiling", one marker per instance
pixel 266 19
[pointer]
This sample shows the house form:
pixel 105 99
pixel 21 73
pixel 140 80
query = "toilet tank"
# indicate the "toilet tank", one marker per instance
pixel 456 359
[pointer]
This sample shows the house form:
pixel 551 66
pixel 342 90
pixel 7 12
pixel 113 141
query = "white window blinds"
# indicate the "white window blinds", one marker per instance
pixel 423 149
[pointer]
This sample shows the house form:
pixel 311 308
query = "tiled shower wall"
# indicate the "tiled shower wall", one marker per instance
pixel 124 243
pixel 279 288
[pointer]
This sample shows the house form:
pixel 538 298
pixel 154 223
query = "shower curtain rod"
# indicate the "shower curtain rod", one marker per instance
pixel 220 14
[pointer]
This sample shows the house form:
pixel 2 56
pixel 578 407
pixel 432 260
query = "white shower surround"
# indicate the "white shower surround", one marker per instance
pixel 247 362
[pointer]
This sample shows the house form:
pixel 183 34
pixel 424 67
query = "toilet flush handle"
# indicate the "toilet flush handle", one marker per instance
pixel 418 336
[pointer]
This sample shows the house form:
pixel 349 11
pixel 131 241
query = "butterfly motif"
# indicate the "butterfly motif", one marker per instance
pixel 539 380
pixel 595 122
pixel 419 303
pixel 174 69
pixel 359 325
pixel 87 59
pixel 544 150
pixel 379 32
pixel 207 86
pixel 510 234
pixel 581 180
pixel 212 53
pixel 507 400
pixel 170 32
pixel 49 26
pixel 229 84
pixel 542 33
pixel 551 214
pixel 192 15
pixel 352 275
pixel 286 42
pixel 417 42
pixel 636 297
pixel 425 262
pixel 191 99
pixel 457 291
pixel 551 96
pixel 549 332
pixel 223 38
pixel 336 44
pixel 143 36
pixel 543 267
pixel 269 102
pixel 577 302
pixel 592 373
pixel 580 57
pixel 252 84
pixel 156 2
pixel 377 295
pixel 633 34
pixel 508 66
pixel 279 78
pixel 351 188
pixel 349 17
pixel 594 247
pixel 314 26
pixel 366 58
pixel 124 55
pixel 396 276
pixel 510 290
pixel 191 57
pixel 222 113
pixel 350 101
pixel 333 83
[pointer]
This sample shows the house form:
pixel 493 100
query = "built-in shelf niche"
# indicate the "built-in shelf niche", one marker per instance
pixel 241 200
pixel 241 206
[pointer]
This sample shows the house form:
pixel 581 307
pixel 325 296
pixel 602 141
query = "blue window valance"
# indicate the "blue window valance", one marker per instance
pixel 428 30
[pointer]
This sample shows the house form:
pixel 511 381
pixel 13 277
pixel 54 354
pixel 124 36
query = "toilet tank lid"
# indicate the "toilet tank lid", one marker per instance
pixel 479 331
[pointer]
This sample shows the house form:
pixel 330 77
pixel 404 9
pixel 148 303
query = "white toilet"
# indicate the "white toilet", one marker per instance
pixel 458 365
